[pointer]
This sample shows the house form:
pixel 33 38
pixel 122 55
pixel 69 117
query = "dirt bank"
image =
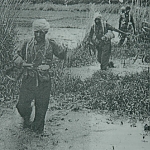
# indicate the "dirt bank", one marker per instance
pixel 65 129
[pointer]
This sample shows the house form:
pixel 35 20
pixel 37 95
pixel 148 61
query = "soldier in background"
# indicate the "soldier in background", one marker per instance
pixel 126 24
pixel 101 35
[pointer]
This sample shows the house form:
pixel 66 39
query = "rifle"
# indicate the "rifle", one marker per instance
pixel 91 47
pixel 25 66
pixel 14 68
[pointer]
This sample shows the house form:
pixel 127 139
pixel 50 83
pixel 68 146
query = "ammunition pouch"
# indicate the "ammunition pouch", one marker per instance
pixel 43 75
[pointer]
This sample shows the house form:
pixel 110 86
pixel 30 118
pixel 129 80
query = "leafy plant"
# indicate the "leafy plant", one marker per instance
pixel 9 11
pixel 128 95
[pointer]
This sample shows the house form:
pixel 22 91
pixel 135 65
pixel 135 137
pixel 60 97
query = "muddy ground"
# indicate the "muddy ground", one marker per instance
pixel 82 130
pixel 76 130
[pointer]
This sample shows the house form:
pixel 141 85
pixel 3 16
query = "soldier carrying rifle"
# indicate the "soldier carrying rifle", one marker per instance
pixel 36 54
pixel 126 24
pixel 101 35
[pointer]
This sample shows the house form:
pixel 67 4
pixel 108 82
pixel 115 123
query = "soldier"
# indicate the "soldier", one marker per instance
pixel 122 18
pixel 101 35
pixel 37 54
pixel 126 24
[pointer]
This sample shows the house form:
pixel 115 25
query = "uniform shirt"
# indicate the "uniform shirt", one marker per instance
pixel 97 32
pixel 122 20
pixel 125 21
pixel 33 53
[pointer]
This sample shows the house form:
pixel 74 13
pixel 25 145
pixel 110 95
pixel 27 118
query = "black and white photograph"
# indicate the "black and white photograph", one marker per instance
pixel 74 74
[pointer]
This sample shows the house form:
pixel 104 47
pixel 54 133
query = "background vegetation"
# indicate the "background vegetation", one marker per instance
pixel 71 2
pixel 126 95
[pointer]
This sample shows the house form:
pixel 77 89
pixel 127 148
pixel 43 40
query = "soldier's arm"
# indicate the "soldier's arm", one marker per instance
pixel 58 50
pixel 20 54
pixel 20 49
pixel 132 21
pixel 91 33
pixel 109 27
pixel 120 19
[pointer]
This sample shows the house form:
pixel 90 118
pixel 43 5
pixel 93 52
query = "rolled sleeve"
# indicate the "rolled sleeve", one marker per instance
pixel 58 50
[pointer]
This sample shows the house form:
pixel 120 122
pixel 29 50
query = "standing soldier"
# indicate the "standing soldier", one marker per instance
pixel 37 53
pixel 122 19
pixel 126 24
pixel 101 35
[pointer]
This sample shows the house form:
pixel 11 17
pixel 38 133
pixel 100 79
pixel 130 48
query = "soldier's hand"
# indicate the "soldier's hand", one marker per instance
pixel 18 61
pixel 27 65
pixel 43 67
pixel 104 38
pixel 128 34
pixel 135 32
pixel 65 49
pixel 89 43
pixel 119 35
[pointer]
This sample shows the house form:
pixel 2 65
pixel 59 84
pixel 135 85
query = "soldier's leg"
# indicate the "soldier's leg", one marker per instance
pixel 24 104
pixel 122 39
pixel 99 53
pixel 41 106
pixel 123 36
pixel 106 52
pixel 128 42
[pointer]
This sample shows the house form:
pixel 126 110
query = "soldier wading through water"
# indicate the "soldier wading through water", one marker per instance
pixel 101 35
pixel 37 53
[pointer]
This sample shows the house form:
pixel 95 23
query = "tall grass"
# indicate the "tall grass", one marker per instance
pixel 9 12
pixel 7 29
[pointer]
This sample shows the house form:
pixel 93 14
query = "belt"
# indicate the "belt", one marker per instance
pixel 32 73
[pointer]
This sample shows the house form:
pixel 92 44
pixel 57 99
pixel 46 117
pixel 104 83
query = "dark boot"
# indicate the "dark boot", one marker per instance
pixel 26 123
pixel 37 127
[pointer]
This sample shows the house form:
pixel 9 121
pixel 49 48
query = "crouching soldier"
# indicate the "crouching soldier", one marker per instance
pixel 37 54
pixel 101 35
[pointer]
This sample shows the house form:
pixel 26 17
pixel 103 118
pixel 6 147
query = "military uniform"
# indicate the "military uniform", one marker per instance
pixel 36 83
pixel 126 24
pixel 103 46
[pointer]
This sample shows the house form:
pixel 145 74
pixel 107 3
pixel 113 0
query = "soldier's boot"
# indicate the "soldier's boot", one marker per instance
pixel 37 127
pixel 26 122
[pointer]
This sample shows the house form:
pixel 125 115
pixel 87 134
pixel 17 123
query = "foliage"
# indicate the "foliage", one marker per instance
pixel 7 45
pixel 71 2
pixel 128 95
pixel 6 30
pixel 81 57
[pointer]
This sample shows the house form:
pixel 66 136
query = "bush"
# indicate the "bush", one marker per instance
pixel 127 95
pixel 8 11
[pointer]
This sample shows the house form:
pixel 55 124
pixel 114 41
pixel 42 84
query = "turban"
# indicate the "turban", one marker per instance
pixel 123 8
pixel 97 15
pixel 40 24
